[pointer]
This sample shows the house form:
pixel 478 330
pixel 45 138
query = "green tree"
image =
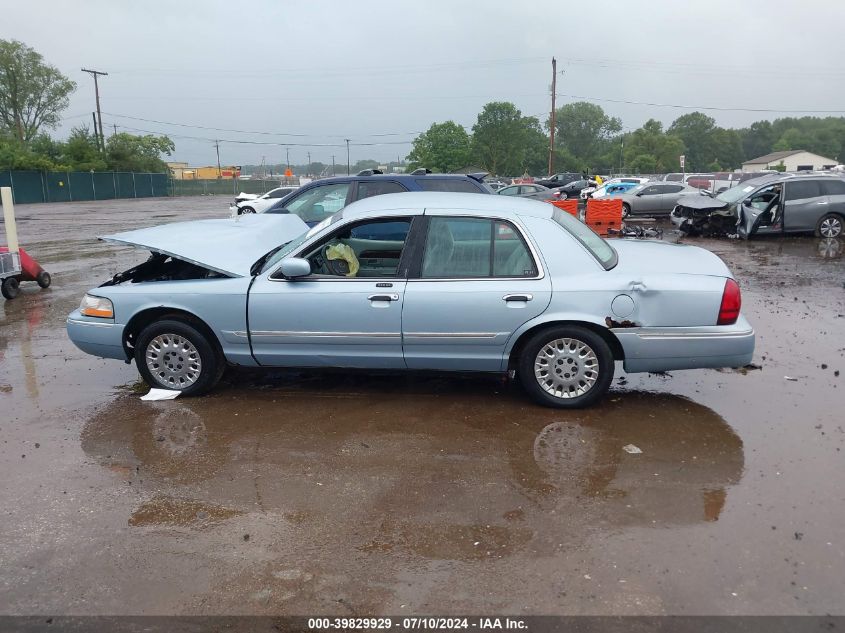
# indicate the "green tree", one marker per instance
pixel 504 141
pixel 128 152
pixel 32 93
pixel 584 131
pixel 793 138
pixel 81 151
pixel 697 131
pixel 444 147
pixel 757 139
pixel 728 149
pixel 650 150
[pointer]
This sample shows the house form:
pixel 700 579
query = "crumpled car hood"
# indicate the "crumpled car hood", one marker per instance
pixel 225 245
pixel 701 203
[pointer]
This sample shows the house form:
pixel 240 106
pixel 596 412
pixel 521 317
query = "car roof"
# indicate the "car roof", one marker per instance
pixel 449 203
pixel 769 178
pixel 399 177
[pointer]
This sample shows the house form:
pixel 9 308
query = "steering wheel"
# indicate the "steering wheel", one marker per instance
pixel 337 267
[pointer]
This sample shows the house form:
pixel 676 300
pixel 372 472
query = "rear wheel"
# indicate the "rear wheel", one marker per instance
pixel 43 279
pixel 567 367
pixel 10 287
pixel 174 355
pixel 829 225
pixel 626 210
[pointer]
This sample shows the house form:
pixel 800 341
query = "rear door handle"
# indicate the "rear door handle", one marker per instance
pixel 518 297
pixel 383 297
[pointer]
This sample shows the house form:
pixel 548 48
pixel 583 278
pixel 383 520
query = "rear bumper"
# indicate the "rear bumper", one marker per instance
pixel 96 336
pixel 668 348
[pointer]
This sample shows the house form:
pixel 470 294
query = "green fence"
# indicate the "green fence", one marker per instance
pixel 72 186
pixel 221 186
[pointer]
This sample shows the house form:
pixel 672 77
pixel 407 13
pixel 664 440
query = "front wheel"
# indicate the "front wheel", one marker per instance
pixel 829 225
pixel 43 279
pixel 245 210
pixel 10 287
pixel 174 355
pixel 566 367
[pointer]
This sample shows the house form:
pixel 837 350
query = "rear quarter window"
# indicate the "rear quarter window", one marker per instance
pixel 455 185
pixel 599 248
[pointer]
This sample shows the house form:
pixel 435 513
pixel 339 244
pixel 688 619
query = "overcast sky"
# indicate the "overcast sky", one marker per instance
pixel 328 71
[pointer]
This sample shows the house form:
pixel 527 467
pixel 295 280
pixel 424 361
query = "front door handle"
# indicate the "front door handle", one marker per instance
pixel 383 297
pixel 518 297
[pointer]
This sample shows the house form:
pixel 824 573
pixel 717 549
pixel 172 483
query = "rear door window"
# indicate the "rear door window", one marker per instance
pixel 458 185
pixel 458 247
pixel 370 188
pixel 802 189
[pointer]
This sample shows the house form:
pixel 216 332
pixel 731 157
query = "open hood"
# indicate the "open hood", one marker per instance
pixel 228 246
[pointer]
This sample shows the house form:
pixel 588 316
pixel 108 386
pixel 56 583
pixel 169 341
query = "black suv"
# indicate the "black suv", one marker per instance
pixel 322 198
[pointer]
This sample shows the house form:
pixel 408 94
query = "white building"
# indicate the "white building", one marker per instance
pixel 793 160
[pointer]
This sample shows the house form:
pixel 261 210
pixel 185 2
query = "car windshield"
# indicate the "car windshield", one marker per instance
pixel 735 194
pixel 274 257
pixel 599 248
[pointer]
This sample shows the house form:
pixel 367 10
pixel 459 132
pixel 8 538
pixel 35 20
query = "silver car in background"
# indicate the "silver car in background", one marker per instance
pixel 415 281
pixel 654 198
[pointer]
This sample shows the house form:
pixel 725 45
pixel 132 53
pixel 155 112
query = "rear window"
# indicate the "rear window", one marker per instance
pixel 370 188
pixel 600 249
pixel 448 184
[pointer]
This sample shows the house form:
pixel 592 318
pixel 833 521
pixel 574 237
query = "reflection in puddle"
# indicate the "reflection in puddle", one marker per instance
pixel 444 469
pixel 162 510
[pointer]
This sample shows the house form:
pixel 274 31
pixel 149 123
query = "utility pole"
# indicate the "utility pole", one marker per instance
pixel 333 172
pixel 287 156
pixel 309 164
pixel 347 157
pixel 115 127
pixel 96 134
pixel 217 147
pixel 95 74
pixel 552 125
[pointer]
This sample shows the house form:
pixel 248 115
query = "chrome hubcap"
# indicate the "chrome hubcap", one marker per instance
pixel 173 361
pixel 830 227
pixel 566 368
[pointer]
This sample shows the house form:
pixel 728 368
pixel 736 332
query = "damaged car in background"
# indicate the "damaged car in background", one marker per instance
pixel 803 202
pixel 415 281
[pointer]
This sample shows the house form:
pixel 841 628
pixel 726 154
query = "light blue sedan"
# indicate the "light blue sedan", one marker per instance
pixel 415 281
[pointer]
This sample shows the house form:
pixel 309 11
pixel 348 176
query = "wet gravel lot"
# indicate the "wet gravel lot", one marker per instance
pixel 300 493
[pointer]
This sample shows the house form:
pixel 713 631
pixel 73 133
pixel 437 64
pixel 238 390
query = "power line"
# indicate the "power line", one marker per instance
pixel 700 107
pixel 260 133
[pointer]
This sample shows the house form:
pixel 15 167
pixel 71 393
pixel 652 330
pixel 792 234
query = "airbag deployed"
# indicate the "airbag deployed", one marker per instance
pixel 344 252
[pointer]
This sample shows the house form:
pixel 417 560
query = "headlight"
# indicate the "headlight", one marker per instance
pixel 96 307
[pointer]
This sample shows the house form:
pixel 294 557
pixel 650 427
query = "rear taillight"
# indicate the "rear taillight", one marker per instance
pixel 731 303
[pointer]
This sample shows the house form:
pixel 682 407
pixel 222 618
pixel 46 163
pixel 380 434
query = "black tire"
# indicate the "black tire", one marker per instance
pixel 830 225
pixel 245 210
pixel 43 279
pixel 173 363
pixel 626 210
pixel 601 360
pixel 10 287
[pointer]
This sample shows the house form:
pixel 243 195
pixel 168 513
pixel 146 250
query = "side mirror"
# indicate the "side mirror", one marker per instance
pixel 638 194
pixel 293 267
pixel 746 202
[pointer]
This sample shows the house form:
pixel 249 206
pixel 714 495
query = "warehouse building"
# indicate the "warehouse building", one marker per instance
pixel 792 160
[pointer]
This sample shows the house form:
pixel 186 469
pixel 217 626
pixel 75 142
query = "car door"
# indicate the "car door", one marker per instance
pixel 475 281
pixel 804 204
pixel 348 311
pixel 670 195
pixel 649 199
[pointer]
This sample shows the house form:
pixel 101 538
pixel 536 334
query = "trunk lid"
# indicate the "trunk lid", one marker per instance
pixel 226 245
pixel 638 257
